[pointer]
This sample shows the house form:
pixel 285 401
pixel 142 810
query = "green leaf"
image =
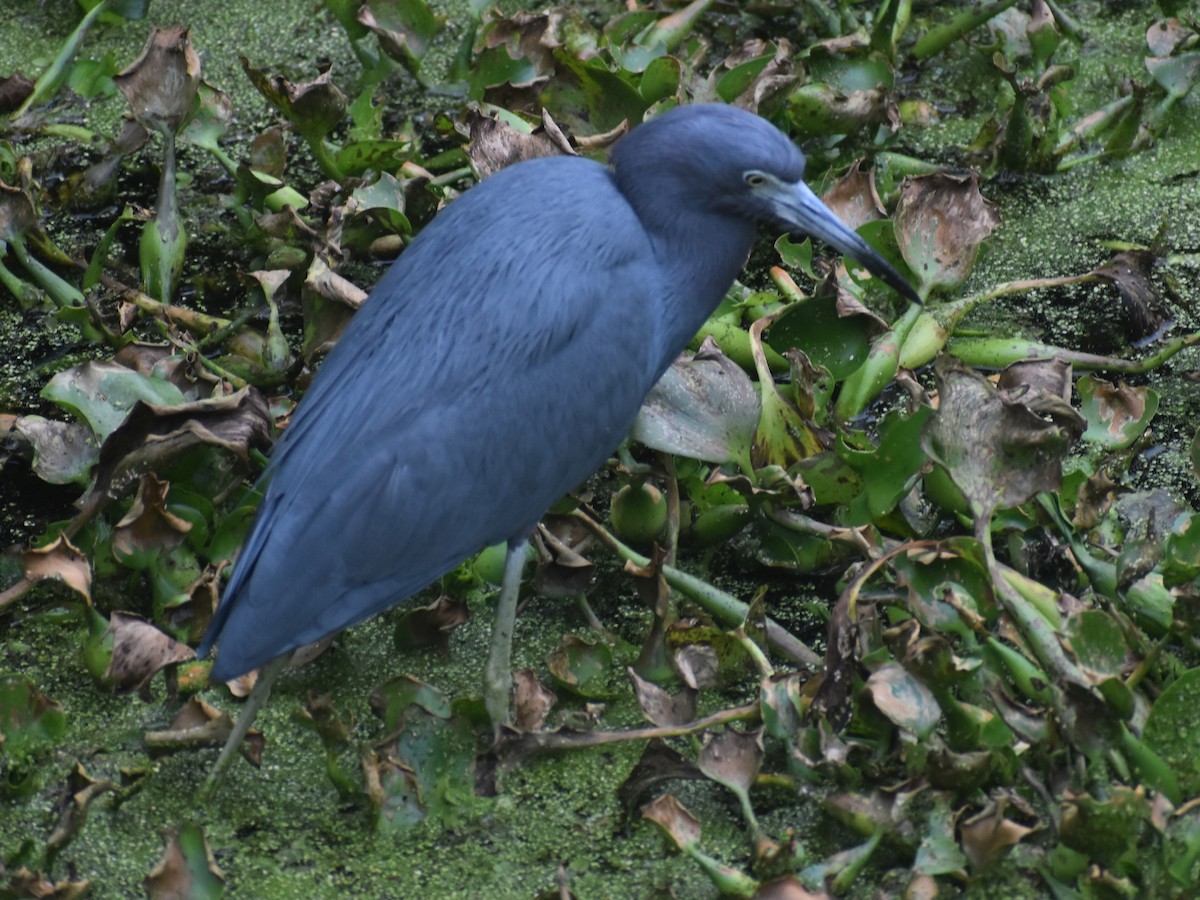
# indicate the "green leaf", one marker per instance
pixel 103 393
pixel 1116 415
pixel 1173 729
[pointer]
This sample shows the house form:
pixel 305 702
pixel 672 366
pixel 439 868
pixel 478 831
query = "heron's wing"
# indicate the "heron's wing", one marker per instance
pixel 495 366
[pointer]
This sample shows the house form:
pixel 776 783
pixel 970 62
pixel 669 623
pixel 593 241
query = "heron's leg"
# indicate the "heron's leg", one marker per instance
pixel 497 676
pixel 256 701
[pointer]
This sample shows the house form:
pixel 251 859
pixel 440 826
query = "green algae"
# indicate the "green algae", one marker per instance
pixel 282 831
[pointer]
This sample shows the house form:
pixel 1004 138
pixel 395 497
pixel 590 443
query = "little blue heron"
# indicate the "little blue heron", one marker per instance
pixel 496 365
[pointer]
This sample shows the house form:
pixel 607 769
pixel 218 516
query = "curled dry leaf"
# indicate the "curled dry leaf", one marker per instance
pixel 853 197
pixel 532 701
pixel 495 145
pixel 59 560
pixel 660 707
pixel 940 222
pixel 1131 273
pixel 187 867
pixel 200 724
pixel 161 84
pixel 563 570
pixel 405 29
pixel 532 36
pixel 987 835
pixel 26 883
pixel 698 665
pixel 149 525
pixel 139 651
pixel 313 107
pixel 732 758
pixel 17 213
pixel 153 436
pixel 658 763
pixel 430 626
pixel 1000 447
pixel 675 819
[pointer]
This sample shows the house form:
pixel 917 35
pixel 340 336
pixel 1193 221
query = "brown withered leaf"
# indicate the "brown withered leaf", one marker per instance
pixel 161 84
pixel 404 30
pixel 698 665
pixel 732 758
pixel 833 695
pixel 532 701
pixel 152 437
pixel 149 525
pixel 853 197
pixel 200 724
pixel 532 36
pixel 329 301
pixel 13 91
pixel 675 819
pixel 160 361
pixel 1093 500
pixel 187 867
pixel 563 570
pixel 940 222
pixel 97 184
pixel 59 560
pixel 658 763
pixel 195 614
pixel 1000 447
pixel 495 144
pixel 1050 378
pixel 313 107
pixel 1131 273
pixel 988 834
pixel 139 651
pixel 660 707
pixel 17 212
pixel 430 626
pixel 268 152
pixel 27 883
pixel 772 83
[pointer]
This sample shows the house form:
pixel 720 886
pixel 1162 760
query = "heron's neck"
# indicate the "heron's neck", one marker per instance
pixel 701 254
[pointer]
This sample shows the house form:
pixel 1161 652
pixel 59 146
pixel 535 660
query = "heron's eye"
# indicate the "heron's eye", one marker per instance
pixel 755 179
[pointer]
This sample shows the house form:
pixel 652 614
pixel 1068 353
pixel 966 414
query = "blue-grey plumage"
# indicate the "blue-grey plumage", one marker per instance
pixel 498 363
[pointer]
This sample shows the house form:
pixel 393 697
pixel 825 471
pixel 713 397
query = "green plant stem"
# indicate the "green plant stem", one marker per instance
pixel 51 80
pixel 936 323
pixel 883 359
pixel 13 284
pixel 937 39
pixel 724 607
pixel 1002 351
pixel 1069 26
pixel 325 159
pixel 70 132
pixel 63 293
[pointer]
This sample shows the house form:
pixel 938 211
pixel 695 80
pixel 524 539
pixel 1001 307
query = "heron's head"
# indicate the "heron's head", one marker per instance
pixel 712 158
